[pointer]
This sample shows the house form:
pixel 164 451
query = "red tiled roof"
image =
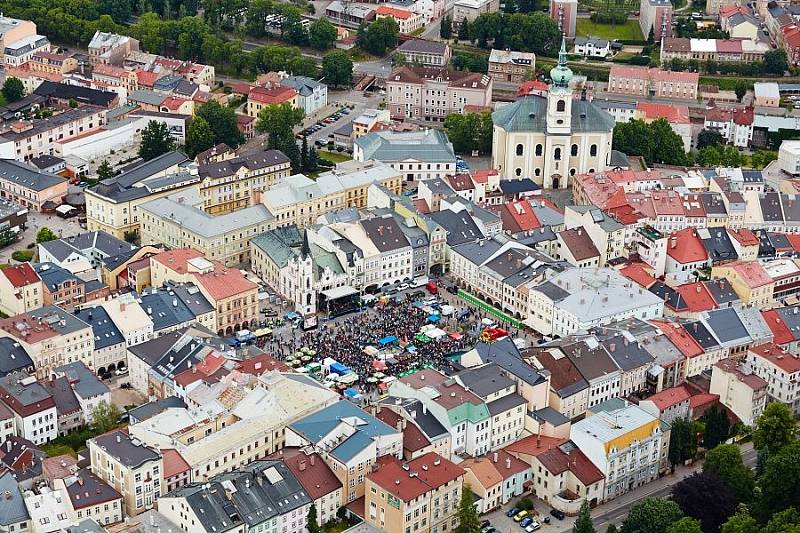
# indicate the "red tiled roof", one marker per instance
pixel 275 95
pixel 224 283
pixel 639 273
pixel 522 215
pixel 314 475
pixel 173 103
pixel 556 461
pixel 174 463
pixel 672 113
pixel 393 12
pixel 531 86
pixel 778 356
pixel 745 237
pixel 781 334
pixel 413 439
pixel 685 247
pixel 421 205
pixel 534 444
pixel 679 337
pixel 579 244
pixel 21 275
pixel 261 363
pixel 667 203
pixel 702 399
pixel 669 397
pixel 732 366
pixel 177 259
pixel 794 241
pixel 697 297
pixel 430 472
pixel 146 78
pixel 482 175
pixel 751 272
pixel 460 182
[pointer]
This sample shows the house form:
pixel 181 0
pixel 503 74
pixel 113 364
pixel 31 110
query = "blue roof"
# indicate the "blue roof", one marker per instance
pixel 726 325
pixel 85 383
pixel 105 332
pixel 518 186
pixel 316 426
pixel 165 310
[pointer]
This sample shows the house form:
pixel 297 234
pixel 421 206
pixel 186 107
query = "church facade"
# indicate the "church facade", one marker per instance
pixel 549 139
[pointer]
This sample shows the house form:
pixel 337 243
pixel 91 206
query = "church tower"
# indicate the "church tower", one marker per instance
pixel 559 96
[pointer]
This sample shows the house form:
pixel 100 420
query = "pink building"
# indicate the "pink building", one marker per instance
pixel 564 12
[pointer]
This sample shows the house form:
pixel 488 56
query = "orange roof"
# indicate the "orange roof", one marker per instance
pixel 110 70
pixel 667 203
pixel 174 463
pixel 776 355
pixel 674 114
pixel 261 363
pixel 393 12
pixel 678 336
pixel 177 259
pixel 522 214
pixel 275 95
pixel 685 247
pixel 484 471
pixel 640 273
pixel 534 444
pixel 482 175
pixel 669 397
pixel 225 283
pixel 697 297
pixel 430 472
pixel 744 236
pixel 751 272
pixel 794 241
pixel 146 78
pixel 781 334
pixel 532 87
pixel 173 103
pixel 21 275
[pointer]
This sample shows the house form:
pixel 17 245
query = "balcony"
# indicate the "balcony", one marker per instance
pixel 567 502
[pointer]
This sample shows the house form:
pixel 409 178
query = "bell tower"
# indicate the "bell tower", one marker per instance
pixel 559 96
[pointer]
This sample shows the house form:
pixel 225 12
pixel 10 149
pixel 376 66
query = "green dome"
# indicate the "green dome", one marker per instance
pixel 561 74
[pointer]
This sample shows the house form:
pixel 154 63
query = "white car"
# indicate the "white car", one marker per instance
pixel 533 526
pixel 121 371
pixel 403 286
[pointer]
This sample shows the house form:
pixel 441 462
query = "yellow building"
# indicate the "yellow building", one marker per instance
pixel 420 495
pixel 749 280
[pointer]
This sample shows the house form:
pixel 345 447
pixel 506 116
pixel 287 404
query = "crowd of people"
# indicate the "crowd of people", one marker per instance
pixel 344 341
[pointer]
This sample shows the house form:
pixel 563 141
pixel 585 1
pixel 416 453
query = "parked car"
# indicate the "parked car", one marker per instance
pixel 533 526
pixel 558 514
pixel 525 522
pixel 520 515
pixel 452 289
pixel 512 512
pixel 485 523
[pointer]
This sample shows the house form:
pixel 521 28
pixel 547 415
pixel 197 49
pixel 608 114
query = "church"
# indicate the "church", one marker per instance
pixel 549 139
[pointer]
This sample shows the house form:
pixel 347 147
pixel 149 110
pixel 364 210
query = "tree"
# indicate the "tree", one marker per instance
pixel 446 28
pixel 706 497
pixel 708 137
pixel 45 235
pixel 775 428
pixel 787 521
pixel 470 131
pixel 467 515
pixel 726 462
pixel 740 522
pixel 779 485
pixel 337 69
pixel 313 525
pixel 223 123
pixel 682 441
pixel 776 62
pixel 304 154
pixel 651 515
pixel 741 89
pixel 463 30
pixel 104 171
pixel 199 137
pixel 322 34
pixel 720 155
pixel 685 525
pixel 668 147
pixel 277 122
pixel 73 104
pixel 611 528
pixel 13 89
pixel 105 416
pixel 583 524
pixel 131 236
pixel 762 158
pixel 156 140
pixel 634 138
pixel 718 427
pixel 378 37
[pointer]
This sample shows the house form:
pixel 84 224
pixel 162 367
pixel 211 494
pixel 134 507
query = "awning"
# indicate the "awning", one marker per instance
pixel 338 292
pixel 64 209
pixel 263 332
pixel 378 365
pixel 387 340
pixel 434 318
pixel 352 393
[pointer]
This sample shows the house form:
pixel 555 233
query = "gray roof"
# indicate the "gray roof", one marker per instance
pixel 477 252
pixel 485 380
pixel 627 354
pixel 459 226
pixel 85 242
pixel 154 349
pixel 591 362
pixel 725 325
pixel 529 113
pixel 13 510
pixel 424 145
pixel 280 244
pixel 63 395
pixel 164 309
pixel 27 176
pixel 422 46
pixel 551 416
pixel 193 299
pixel 424 419
pixel 121 446
pixel 385 234
pixel 304 85
pixel 505 354
pixel 79 93
pixel 149 168
pixel 197 221
pixel 596 41
pixel 87 525
pixel 84 381
pixel 509 401
pixel 251 161
pixel 18 395
pixel 151 409
pixel 122 187
pixel 13 357
pixel 54 315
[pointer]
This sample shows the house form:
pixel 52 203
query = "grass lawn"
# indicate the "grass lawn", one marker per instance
pixel 334 157
pixel 611 6
pixel 629 31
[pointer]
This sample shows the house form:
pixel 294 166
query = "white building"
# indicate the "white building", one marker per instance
pixel 35 415
pixel 416 155
pixel 311 95
pixel 624 443
pixel 584 298
pixel 131 320
pixel 780 369
pixel 789 157
pixel 592 47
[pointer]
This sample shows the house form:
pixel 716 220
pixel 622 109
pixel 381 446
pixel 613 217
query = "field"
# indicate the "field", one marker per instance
pixel 629 31
pixel 333 157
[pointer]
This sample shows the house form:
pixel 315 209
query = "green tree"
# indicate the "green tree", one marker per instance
pixel 73 104
pixel 156 140
pixel 45 234
pixel 741 89
pixel 718 427
pixel 726 462
pixel 720 155
pixel 762 158
pixel 337 69
pixel 467 515
pixel 378 37
pixel 304 154
pixel 446 27
pixel 775 428
pixel 779 486
pixel 322 34
pixel 583 524
pixel 199 137
pixel 223 123
pixel 787 521
pixel 611 528
pixel 740 522
pixel 13 89
pixel 668 146
pixel 708 137
pixel 277 121
pixel 776 62
pixel 313 524
pixel 105 416
pixel 104 171
pixel 120 10
pixel 682 441
pixel 634 138
pixel 470 131
pixel 463 30
pixel 651 515
pixel 685 525
pixel 131 236
pixel 707 498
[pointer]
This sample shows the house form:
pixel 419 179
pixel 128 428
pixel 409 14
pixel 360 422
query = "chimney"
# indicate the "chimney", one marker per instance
pixel 612 347
pixel 311 460
pixel 508 463
pixel 400 425
pixel 494 457
pixel 302 465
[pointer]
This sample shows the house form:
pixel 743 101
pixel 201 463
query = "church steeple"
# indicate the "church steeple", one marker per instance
pixel 561 74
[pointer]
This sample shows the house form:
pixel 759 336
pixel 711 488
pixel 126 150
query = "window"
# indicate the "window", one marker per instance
pixel 557 154
pixel 538 149
pixel 518 172
pixel 593 150
pixel 519 149
pixel 561 105
pixel 574 150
